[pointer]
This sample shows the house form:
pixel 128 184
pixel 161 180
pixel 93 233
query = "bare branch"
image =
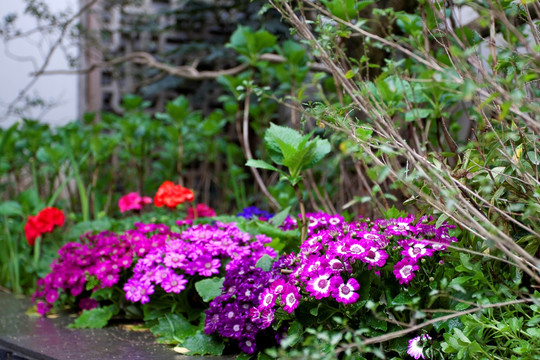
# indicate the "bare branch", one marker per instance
pixel 186 71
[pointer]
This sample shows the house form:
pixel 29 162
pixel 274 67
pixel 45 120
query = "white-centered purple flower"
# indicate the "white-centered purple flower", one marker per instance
pixel 404 270
pixel 319 285
pixel 345 292
pixel 290 298
pixel 416 346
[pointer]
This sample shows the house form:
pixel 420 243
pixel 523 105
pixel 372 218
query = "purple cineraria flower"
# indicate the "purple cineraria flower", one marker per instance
pixel 248 345
pixel 132 290
pixel 174 283
pixel 288 224
pixel 404 270
pixel 416 346
pixel 417 250
pixel 344 292
pixel 101 256
pixel 319 285
pixel 380 240
pixel 207 266
pixel 277 286
pixel 400 226
pixel 233 328
pixel 311 246
pixel 290 298
pixel 253 212
pixel 338 248
pixel 161 273
pixel 337 266
pixel 88 304
pixel 312 265
pixel 267 316
pixel 356 249
pixel 375 256
pixel 173 259
pixel 267 299
pixel 145 228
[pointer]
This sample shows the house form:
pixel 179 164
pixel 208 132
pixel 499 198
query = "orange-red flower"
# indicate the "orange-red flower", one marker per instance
pixel 172 195
pixel 43 222
pixel 32 230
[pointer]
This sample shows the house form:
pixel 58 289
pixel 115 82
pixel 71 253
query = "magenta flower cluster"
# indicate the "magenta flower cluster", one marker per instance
pixel 336 252
pixel 237 313
pixel 200 250
pixel 229 313
pixel 102 256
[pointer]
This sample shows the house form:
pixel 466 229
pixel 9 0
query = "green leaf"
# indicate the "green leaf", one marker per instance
pixel 416 114
pixel 278 219
pixel 261 164
pixel 249 43
pixel 173 328
pixel 11 208
pixel 265 263
pixel 95 318
pixel 363 133
pixel 402 299
pixel 178 109
pixel 209 289
pixel 534 157
pixel 202 344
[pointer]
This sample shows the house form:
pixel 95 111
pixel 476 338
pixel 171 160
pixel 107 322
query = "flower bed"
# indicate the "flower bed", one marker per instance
pixel 214 287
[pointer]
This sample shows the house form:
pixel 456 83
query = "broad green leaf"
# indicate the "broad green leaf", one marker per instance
pixel 202 344
pixel 209 289
pixel 265 263
pixel 173 328
pixel 11 208
pixel 95 318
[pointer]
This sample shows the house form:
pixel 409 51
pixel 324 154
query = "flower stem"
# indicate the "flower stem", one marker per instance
pixel 37 250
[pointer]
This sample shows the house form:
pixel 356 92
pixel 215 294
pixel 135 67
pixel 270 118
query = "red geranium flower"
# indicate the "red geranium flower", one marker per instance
pixel 32 230
pixel 171 195
pixel 43 222
pixel 50 217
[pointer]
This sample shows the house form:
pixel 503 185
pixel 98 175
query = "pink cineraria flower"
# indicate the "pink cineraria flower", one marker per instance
pixel 344 292
pixel 133 201
pixel 174 259
pixel 174 283
pixel 404 270
pixel 290 298
pixel 319 285
pixel 206 266
pixel 416 346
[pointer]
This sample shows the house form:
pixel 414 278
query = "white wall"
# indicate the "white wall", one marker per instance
pixel 15 74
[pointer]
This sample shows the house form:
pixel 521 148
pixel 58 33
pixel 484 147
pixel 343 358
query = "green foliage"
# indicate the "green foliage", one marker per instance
pixel 202 344
pixel 95 318
pixel 251 44
pixel 289 148
pixel 208 289
pixel 173 329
